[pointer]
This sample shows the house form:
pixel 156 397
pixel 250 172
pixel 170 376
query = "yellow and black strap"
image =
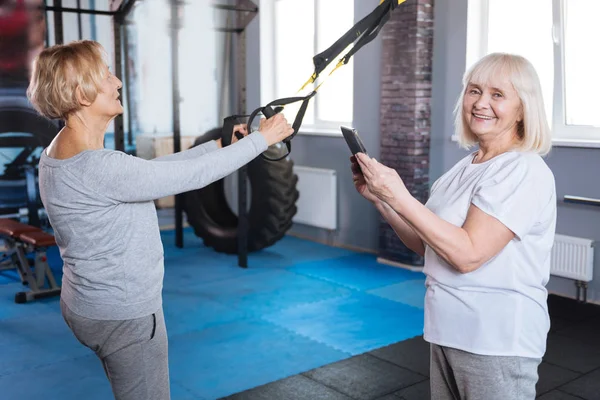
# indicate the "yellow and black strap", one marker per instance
pixel 359 35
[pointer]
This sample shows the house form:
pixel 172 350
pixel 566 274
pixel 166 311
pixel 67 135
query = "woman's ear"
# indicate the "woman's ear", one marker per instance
pixel 521 116
pixel 81 98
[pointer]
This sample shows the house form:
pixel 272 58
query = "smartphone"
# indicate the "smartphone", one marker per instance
pixel 353 140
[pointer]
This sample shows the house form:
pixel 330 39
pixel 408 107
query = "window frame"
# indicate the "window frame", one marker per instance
pixel 562 133
pixel 268 72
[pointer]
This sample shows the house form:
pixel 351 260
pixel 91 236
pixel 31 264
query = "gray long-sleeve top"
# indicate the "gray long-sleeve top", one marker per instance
pixel 100 205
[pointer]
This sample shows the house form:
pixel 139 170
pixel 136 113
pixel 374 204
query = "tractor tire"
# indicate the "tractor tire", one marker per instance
pixel 272 205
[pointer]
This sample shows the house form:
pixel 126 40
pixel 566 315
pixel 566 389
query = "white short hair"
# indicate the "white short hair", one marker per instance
pixel 533 130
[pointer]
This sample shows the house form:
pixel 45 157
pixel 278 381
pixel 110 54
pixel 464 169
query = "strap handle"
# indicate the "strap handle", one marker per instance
pixel 365 30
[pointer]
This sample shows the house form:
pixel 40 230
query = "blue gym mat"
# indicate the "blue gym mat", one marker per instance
pixel 299 305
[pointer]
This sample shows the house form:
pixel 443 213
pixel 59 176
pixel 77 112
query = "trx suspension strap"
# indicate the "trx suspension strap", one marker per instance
pixel 360 34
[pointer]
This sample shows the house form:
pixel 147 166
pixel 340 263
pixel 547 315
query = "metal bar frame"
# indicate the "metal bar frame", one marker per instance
pixel 47 33
pixel 120 9
pixel 58 23
pixel 79 29
pixel 588 201
pixel 126 84
pixel 175 27
pixel 240 79
pixel 236 8
pixel 59 9
pixel 118 23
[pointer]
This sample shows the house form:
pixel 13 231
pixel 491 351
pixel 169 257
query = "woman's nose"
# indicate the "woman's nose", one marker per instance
pixel 482 102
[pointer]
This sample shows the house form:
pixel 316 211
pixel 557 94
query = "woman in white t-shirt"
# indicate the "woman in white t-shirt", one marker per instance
pixel 486 234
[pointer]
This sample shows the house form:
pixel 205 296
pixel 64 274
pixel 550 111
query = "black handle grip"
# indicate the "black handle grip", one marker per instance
pixel 268 112
pixel 228 124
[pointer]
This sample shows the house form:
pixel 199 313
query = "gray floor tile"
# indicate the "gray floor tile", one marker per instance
pixel 552 376
pixel 557 324
pixel 570 309
pixel 411 354
pixel 572 354
pixel 587 387
pixel 587 331
pixel 296 387
pixel 420 391
pixel 390 396
pixel 364 377
pixel 557 395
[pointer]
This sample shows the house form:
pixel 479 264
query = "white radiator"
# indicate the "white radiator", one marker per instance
pixel 317 204
pixel 572 258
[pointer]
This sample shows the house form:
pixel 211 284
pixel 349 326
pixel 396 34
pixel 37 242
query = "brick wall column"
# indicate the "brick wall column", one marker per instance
pixel 405 110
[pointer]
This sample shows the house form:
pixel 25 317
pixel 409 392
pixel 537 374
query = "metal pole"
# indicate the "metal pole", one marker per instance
pixel 118 121
pixel 175 26
pixel 59 8
pixel 240 76
pixel 127 83
pixel 47 33
pixel 79 29
pixel 235 8
pixel 58 23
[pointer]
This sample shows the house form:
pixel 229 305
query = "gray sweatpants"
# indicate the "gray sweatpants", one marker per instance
pixel 457 375
pixel 134 353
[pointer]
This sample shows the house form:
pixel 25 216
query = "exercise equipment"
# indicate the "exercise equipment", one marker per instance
pixel 271 175
pixel 23 134
pixel 359 35
pixel 272 206
pixel 22 240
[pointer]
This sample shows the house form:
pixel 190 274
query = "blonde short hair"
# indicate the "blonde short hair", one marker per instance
pixel 533 131
pixel 60 71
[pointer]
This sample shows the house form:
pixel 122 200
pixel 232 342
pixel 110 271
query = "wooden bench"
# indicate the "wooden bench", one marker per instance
pixel 21 240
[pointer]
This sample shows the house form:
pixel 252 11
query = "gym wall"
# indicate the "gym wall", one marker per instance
pixel 386 99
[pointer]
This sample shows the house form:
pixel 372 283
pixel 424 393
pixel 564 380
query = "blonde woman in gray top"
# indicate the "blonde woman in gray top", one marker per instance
pixel 100 205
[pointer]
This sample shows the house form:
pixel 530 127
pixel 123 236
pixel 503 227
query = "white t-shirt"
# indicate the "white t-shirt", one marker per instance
pixel 500 308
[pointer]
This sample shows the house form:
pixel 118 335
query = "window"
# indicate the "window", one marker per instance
pixel 557 37
pixel 151 87
pixel 292 33
pixel 152 68
pixel 198 51
pixel 93 27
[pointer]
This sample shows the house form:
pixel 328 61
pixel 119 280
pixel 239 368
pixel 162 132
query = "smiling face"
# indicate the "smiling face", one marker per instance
pixel 72 78
pixel 492 109
pixel 501 103
pixel 107 103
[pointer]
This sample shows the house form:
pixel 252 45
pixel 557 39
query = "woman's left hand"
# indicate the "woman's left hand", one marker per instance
pixel 239 128
pixel 382 181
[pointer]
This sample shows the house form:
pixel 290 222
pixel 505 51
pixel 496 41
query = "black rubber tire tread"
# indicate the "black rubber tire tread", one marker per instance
pixel 272 205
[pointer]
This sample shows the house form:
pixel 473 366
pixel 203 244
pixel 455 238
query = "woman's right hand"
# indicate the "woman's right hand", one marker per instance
pixel 359 182
pixel 275 129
